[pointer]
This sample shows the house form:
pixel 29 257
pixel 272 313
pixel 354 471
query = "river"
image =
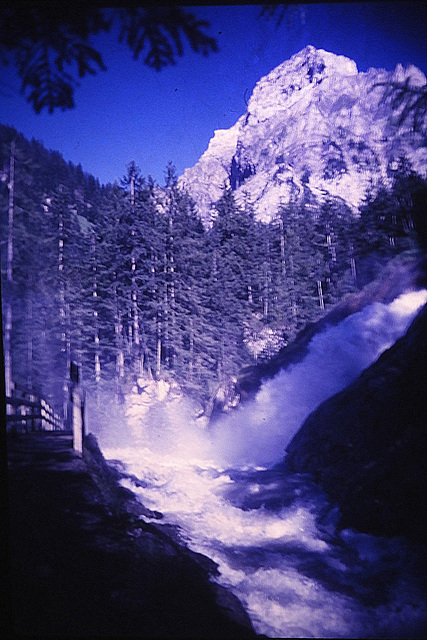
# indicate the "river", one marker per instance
pixel 274 536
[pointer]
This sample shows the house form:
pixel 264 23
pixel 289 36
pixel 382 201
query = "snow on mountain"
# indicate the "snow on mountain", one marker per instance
pixel 314 126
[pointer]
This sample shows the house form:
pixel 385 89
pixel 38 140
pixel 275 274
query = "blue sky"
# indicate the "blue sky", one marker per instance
pixel 131 112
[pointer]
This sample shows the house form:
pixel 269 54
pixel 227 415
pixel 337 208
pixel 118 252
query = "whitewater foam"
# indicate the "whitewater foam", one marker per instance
pixel 259 432
pixel 294 573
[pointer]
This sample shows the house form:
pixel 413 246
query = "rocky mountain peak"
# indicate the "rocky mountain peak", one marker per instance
pixel 308 68
pixel 314 127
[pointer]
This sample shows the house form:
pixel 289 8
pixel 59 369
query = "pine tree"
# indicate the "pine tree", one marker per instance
pixel 405 182
pixel 187 278
pixel 231 274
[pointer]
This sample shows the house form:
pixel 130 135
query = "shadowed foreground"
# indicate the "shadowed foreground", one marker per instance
pixel 83 564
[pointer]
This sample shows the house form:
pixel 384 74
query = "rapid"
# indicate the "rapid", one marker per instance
pixel 274 536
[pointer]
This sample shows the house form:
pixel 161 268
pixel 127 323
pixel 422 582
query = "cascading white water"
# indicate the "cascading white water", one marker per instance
pixel 295 575
pixel 261 430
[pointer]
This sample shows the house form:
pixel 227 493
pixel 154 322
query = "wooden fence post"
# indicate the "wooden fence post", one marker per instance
pixel 77 399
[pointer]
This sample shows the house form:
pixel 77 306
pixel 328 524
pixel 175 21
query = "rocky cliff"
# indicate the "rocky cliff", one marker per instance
pixel 313 126
pixel 367 446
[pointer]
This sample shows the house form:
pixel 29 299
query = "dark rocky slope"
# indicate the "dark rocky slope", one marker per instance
pixel 367 445
pixel 83 565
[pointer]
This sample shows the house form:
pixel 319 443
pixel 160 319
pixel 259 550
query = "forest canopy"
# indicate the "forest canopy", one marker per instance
pixel 126 281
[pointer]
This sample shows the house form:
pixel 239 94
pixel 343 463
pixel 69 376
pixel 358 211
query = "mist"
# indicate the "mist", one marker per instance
pixel 295 575
pixel 163 421
pixel 258 433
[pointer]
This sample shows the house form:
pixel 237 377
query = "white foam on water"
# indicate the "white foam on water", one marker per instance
pixel 295 577
pixel 259 432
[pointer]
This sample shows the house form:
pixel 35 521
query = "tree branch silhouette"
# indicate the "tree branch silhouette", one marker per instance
pixel 49 43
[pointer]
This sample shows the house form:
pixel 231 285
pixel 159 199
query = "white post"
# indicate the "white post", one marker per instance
pixel 77 409
pixel 77 422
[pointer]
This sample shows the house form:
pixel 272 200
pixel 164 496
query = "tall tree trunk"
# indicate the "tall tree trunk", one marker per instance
pixel 293 296
pixel 134 334
pixel 135 311
pixel 320 295
pixel 67 347
pixel 30 341
pixel 7 348
pixel 353 264
pixel 118 330
pixel 158 346
pixel 9 275
pixel 166 318
pixel 266 283
pixel 65 338
pixel 172 307
pixel 61 279
pixel 250 295
pixel 282 249
pixel 191 360
pixel 331 246
pixel 97 363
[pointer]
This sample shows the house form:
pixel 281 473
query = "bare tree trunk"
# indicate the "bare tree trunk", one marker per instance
pixel 166 319
pixel 353 264
pixel 11 210
pixel 320 295
pixel 30 345
pixel 282 248
pixel 159 346
pixel 67 339
pixel 171 297
pixel 191 361
pixel 61 278
pixel 135 312
pixel 9 275
pixel 97 362
pixel 134 333
pixel 250 296
pixel 331 246
pixel 7 349
pixel 120 359
pixel 293 300
pixel 266 274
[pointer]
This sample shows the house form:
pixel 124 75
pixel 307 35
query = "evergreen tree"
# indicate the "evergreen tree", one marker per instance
pixel 231 275
pixel 187 278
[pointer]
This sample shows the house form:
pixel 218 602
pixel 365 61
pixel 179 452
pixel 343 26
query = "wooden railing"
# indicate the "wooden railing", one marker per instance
pixel 29 412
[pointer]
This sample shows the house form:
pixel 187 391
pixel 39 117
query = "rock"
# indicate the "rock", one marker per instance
pixel 225 399
pixel 367 445
pixel 313 126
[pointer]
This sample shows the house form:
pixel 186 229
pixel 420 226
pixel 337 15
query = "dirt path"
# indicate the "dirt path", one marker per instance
pixel 83 564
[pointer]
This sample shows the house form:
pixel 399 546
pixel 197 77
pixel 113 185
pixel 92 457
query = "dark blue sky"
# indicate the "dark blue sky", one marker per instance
pixel 131 112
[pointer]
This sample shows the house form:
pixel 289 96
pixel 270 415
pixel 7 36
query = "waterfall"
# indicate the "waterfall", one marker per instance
pixel 274 536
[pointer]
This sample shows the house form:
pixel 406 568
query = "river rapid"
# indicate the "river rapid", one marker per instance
pixel 274 536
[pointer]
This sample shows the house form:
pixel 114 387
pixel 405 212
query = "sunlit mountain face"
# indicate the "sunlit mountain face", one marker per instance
pixel 314 126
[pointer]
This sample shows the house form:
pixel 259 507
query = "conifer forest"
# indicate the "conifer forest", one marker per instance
pixel 126 281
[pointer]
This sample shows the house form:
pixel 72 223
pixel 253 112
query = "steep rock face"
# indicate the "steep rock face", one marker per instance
pixel 367 445
pixel 313 126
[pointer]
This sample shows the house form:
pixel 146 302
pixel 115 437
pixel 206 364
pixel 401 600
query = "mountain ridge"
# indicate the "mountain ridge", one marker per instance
pixel 314 126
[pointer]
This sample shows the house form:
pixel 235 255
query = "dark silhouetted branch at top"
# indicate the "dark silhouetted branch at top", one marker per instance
pixel 49 43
